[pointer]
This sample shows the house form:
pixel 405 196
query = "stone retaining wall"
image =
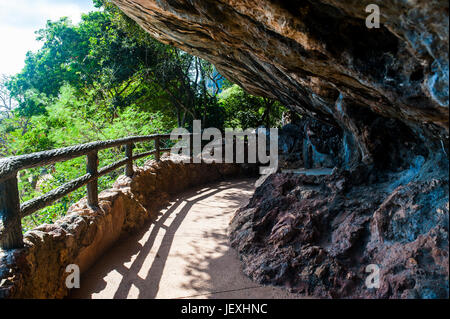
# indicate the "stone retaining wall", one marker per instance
pixel 39 269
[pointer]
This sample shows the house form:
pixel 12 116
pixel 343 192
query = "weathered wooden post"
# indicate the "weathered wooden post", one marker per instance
pixel 129 154
pixel 92 187
pixel 157 149
pixel 10 222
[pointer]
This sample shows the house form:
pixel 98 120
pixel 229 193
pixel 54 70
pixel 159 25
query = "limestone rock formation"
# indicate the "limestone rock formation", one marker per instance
pixel 380 93
pixel 310 144
pixel 320 59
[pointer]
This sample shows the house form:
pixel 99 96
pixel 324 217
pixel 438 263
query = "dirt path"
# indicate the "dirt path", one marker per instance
pixel 183 255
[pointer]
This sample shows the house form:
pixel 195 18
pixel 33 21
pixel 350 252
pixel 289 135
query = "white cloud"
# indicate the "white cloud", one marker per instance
pixel 19 19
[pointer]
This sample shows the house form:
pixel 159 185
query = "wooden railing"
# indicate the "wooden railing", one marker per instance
pixel 12 211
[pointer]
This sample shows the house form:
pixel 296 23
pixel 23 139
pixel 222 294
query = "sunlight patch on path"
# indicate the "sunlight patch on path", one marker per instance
pixel 184 254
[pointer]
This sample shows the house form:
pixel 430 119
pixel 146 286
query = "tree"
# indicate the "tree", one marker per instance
pixel 247 111
pixel 7 103
pixel 107 58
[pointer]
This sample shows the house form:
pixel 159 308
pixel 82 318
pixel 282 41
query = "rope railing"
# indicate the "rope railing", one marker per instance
pixel 12 211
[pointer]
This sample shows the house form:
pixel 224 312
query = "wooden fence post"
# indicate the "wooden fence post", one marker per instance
pixel 157 149
pixel 129 154
pixel 92 187
pixel 10 222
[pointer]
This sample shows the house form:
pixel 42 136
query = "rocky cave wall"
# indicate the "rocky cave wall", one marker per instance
pixel 385 84
pixel 375 99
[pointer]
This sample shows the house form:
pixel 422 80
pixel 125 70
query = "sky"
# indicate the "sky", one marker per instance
pixel 19 19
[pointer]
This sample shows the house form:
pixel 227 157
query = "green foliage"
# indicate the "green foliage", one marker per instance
pixel 71 120
pixel 247 111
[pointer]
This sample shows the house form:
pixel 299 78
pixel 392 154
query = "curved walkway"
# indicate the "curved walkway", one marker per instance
pixel 185 254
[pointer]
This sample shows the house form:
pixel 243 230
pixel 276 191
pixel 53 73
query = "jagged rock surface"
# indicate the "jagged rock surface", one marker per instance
pixel 316 235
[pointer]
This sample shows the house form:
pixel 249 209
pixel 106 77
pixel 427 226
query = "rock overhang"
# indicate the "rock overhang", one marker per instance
pixel 320 59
